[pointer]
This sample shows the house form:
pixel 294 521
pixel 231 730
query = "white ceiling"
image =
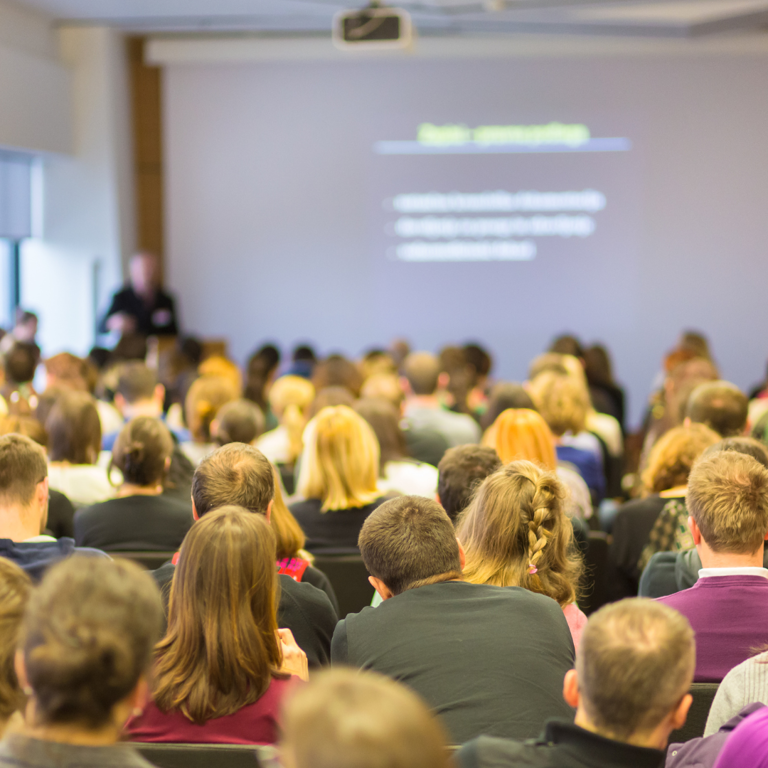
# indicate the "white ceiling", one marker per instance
pixel 656 18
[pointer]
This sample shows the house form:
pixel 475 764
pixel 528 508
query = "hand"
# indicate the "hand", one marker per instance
pixel 122 323
pixel 294 659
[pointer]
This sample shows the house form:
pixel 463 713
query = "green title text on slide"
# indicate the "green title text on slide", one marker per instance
pixel 572 135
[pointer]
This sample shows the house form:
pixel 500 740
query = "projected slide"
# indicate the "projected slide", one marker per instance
pixel 456 193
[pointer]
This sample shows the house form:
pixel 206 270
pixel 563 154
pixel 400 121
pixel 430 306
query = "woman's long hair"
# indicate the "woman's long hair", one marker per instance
pixel 515 533
pixel 520 433
pixel 221 649
pixel 289 537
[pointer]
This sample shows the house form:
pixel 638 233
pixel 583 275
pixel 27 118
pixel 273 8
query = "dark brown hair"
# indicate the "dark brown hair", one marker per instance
pixel 142 450
pixel 409 542
pixel 136 382
pixel 15 588
pixel 87 638
pixel 720 405
pixel 384 419
pixel 74 429
pixel 22 468
pixel 233 474
pixel 240 421
pixel 221 650
pixel 461 470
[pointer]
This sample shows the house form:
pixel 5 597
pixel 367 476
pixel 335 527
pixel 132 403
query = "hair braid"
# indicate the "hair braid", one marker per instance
pixel 538 533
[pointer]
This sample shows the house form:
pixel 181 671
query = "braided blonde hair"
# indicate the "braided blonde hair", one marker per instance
pixel 515 533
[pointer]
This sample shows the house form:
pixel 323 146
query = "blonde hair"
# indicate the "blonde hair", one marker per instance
pixel 520 433
pixel 289 537
pixel 515 533
pixel 289 398
pixel 562 399
pixel 206 395
pixel 340 462
pixel 221 367
pixel 673 455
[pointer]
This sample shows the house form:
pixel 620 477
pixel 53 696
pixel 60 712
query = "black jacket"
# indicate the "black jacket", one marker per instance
pixel 159 319
pixel 562 745
pixel 303 609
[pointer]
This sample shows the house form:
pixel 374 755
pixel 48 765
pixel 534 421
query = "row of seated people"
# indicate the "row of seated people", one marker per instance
pixel 513 533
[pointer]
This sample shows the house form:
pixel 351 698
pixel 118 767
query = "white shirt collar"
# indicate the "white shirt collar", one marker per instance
pixel 42 537
pixel 743 571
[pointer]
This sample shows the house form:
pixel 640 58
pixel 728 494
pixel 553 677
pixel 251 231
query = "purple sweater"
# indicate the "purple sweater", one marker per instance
pixel 729 615
pixel 747 746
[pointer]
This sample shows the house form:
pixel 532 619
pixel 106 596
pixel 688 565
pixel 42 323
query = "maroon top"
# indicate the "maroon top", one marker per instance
pixel 255 723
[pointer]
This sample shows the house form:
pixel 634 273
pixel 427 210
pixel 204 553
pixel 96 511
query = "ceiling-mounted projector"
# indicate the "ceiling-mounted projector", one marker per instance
pixel 374 27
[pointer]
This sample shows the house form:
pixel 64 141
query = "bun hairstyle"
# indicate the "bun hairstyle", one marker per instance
pixel 515 533
pixel 141 451
pixel 87 638
pixel 15 587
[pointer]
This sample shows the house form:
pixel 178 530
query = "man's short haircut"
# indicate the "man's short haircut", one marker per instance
pixel 728 498
pixel 749 446
pixel 350 719
pixel 235 474
pixel 409 542
pixel 479 358
pixel 461 470
pixel 422 370
pixel 635 663
pixel 720 405
pixel 136 382
pixel 22 466
pixel 20 362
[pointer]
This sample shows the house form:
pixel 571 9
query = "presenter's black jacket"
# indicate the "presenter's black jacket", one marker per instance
pixel 304 609
pixel 562 745
pixel 487 660
pixel 157 319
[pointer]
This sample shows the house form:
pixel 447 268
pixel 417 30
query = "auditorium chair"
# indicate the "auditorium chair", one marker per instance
pixel 703 694
pixel 596 573
pixel 206 755
pixel 150 560
pixel 349 579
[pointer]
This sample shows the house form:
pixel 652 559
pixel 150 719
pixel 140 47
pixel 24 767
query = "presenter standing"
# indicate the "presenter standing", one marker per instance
pixel 142 307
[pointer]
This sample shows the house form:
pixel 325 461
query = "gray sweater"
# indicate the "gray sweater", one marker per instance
pixel 744 684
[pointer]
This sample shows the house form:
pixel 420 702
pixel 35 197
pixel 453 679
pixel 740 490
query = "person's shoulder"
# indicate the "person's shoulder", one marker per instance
pixel 493 752
pixel 302 593
pixel 659 580
pixel 164 574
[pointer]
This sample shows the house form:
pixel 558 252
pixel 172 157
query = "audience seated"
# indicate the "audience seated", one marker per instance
pixel 24 506
pixel 397 472
pixel 504 395
pixel 728 605
pixel 670 572
pixel 515 533
pixel 138 394
pixel 74 443
pixel 521 433
pixel 481 363
pixel 84 656
pixel 222 598
pixel 606 395
pixel 460 472
pixel 722 406
pixel 241 475
pixel 239 421
pixel 350 719
pixel 261 372
pixel 20 363
pixel 303 361
pixel 141 517
pixel 204 399
pixel 629 689
pixel 292 559
pixel 486 659
pixel 423 410
pixel 337 480
pixel 664 483
pixel 336 371
pixel 15 588
pixel 563 402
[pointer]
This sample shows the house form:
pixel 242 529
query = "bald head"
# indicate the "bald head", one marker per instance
pixel 635 663
pixel 422 371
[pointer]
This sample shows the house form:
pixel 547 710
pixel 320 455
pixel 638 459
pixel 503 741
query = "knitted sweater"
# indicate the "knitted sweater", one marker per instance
pixel 744 684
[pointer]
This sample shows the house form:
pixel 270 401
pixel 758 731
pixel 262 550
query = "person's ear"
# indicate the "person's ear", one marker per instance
pixel 696 531
pixel 194 510
pixel 268 513
pixel 167 465
pixel 571 688
pixel 680 714
pixel 405 385
pixel 437 499
pixel 119 402
pixel 160 395
pixel 687 422
pixel 462 556
pixel 443 379
pixel 21 670
pixel 383 590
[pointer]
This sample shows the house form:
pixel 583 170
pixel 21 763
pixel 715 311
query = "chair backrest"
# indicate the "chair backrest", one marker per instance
pixel 203 755
pixel 149 560
pixel 349 579
pixel 596 573
pixel 703 694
